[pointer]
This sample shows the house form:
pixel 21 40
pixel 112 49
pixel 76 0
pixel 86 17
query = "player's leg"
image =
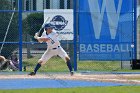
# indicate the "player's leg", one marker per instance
pixel 66 58
pixel 45 57
pixel 69 64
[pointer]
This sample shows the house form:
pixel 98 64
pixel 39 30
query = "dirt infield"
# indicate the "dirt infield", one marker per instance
pixel 118 78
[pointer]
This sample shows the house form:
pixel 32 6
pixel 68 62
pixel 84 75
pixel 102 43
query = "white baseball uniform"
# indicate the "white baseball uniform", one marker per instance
pixel 53 47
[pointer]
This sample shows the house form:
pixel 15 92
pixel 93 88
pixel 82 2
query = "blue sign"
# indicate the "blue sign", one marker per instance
pixel 106 29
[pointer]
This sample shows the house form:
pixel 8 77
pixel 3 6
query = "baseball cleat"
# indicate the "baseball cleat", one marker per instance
pixel 32 74
pixel 71 73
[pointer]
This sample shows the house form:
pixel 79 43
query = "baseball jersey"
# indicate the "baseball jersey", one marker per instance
pixel 54 41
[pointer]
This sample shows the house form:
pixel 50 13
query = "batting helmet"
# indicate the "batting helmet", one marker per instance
pixel 47 26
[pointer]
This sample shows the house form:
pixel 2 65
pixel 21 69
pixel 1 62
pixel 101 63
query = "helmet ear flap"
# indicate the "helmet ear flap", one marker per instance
pixel 45 29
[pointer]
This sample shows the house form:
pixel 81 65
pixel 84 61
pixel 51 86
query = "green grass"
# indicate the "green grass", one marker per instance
pixel 56 64
pixel 98 66
pixel 117 89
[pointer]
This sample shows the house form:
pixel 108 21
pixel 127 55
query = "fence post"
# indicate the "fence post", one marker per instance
pixel 75 34
pixel 20 33
pixel 135 29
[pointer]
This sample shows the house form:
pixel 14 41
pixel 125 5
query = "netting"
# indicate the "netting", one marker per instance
pixel 33 18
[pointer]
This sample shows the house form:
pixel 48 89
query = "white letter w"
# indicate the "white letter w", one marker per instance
pixel 112 14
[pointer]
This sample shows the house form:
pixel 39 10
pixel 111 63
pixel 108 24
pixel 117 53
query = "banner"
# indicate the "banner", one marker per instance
pixel 106 29
pixel 62 20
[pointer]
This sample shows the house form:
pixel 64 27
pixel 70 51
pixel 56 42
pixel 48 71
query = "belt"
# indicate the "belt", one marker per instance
pixel 55 48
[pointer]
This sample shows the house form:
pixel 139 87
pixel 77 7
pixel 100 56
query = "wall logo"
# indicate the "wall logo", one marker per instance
pixel 113 18
pixel 59 22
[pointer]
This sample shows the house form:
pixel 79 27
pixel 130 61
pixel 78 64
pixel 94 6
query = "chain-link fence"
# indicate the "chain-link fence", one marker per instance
pixel 8 28
pixel 32 19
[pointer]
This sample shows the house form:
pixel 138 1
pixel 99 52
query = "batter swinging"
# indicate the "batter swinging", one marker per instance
pixel 53 48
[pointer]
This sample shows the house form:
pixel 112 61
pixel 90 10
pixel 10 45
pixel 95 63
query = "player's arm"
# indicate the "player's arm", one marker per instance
pixel 41 39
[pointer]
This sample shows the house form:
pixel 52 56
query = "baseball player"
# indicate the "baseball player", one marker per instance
pixel 53 48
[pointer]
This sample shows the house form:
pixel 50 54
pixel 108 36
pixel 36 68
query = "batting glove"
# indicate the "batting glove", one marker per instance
pixel 36 35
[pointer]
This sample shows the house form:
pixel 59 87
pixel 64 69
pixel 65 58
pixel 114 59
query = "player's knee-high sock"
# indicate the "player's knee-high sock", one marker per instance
pixel 69 66
pixel 37 67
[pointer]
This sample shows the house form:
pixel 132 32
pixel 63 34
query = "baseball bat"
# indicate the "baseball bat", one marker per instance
pixel 47 19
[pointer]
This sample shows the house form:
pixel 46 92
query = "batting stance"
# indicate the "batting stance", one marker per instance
pixel 53 48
